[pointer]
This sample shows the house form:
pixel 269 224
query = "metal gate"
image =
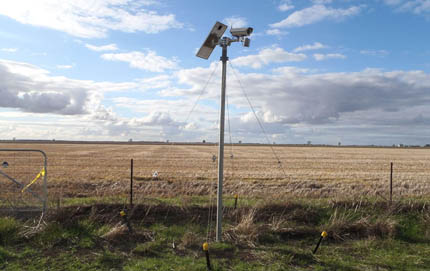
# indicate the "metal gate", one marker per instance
pixel 23 179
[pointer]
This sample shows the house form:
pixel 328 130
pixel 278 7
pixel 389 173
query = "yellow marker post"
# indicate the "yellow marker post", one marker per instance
pixel 123 214
pixel 206 250
pixel 323 235
pixel 235 200
pixel 40 174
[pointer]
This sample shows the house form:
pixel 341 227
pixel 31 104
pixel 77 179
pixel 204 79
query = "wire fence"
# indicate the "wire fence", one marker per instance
pixel 23 178
pixel 83 171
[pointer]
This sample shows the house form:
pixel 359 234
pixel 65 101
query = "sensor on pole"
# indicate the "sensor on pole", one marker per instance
pixel 214 39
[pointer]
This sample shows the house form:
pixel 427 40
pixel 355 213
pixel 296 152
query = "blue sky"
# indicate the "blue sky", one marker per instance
pixel 326 71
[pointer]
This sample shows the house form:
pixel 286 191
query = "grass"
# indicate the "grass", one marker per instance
pixel 265 236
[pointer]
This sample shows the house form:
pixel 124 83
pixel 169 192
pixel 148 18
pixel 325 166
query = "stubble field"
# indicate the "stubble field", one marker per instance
pixel 103 170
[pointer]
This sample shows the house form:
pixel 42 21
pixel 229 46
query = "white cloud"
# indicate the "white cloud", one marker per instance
pixel 89 19
pixel 107 47
pixel 276 32
pixel 236 21
pixel 9 50
pixel 156 82
pixel 413 6
pixel 267 56
pixel 148 60
pixel 379 53
pixel 64 67
pixel 335 103
pixel 315 14
pixel 31 89
pixel 320 57
pixel 285 7
pixel 367 107
pixel 308 47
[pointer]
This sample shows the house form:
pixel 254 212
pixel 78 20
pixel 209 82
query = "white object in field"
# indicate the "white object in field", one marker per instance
pixel 5 164
pixel 155 175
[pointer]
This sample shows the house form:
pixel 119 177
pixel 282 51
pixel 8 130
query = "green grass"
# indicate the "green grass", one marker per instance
pixel 9 228
pixel 370 237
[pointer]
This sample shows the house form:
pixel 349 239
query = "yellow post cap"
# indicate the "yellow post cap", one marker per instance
pixel 122 213
pixel 205 246
pixel 236 196
pixel 324 234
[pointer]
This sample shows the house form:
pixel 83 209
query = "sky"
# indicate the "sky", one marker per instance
pixel 325 71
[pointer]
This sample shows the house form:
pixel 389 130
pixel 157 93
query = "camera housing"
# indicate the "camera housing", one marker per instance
pixel 241 32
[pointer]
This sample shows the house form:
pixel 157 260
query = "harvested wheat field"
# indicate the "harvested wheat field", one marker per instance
pixel 102 170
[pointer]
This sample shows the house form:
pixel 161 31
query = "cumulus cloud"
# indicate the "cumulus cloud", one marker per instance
pixel 367 107
pixel 316 13
pixel 324 98
pixel 267 56
pixel 236 21
pixel 32 89
pixel 290 98
pixel 89 19
pixel 308 47
pixel 102 48
pixel 148 60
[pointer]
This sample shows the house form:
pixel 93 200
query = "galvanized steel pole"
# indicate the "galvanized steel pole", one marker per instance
pixel 224 43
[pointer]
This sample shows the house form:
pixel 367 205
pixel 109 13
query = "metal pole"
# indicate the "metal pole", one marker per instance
pixel 45 186
pixel 131 184
pixel 391 183
pixel 224 58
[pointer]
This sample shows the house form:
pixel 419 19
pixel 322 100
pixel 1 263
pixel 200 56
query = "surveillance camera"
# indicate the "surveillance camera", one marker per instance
pixel 241 32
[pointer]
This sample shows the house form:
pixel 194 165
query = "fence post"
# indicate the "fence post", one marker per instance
pixel 131 184
pixel 391 183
